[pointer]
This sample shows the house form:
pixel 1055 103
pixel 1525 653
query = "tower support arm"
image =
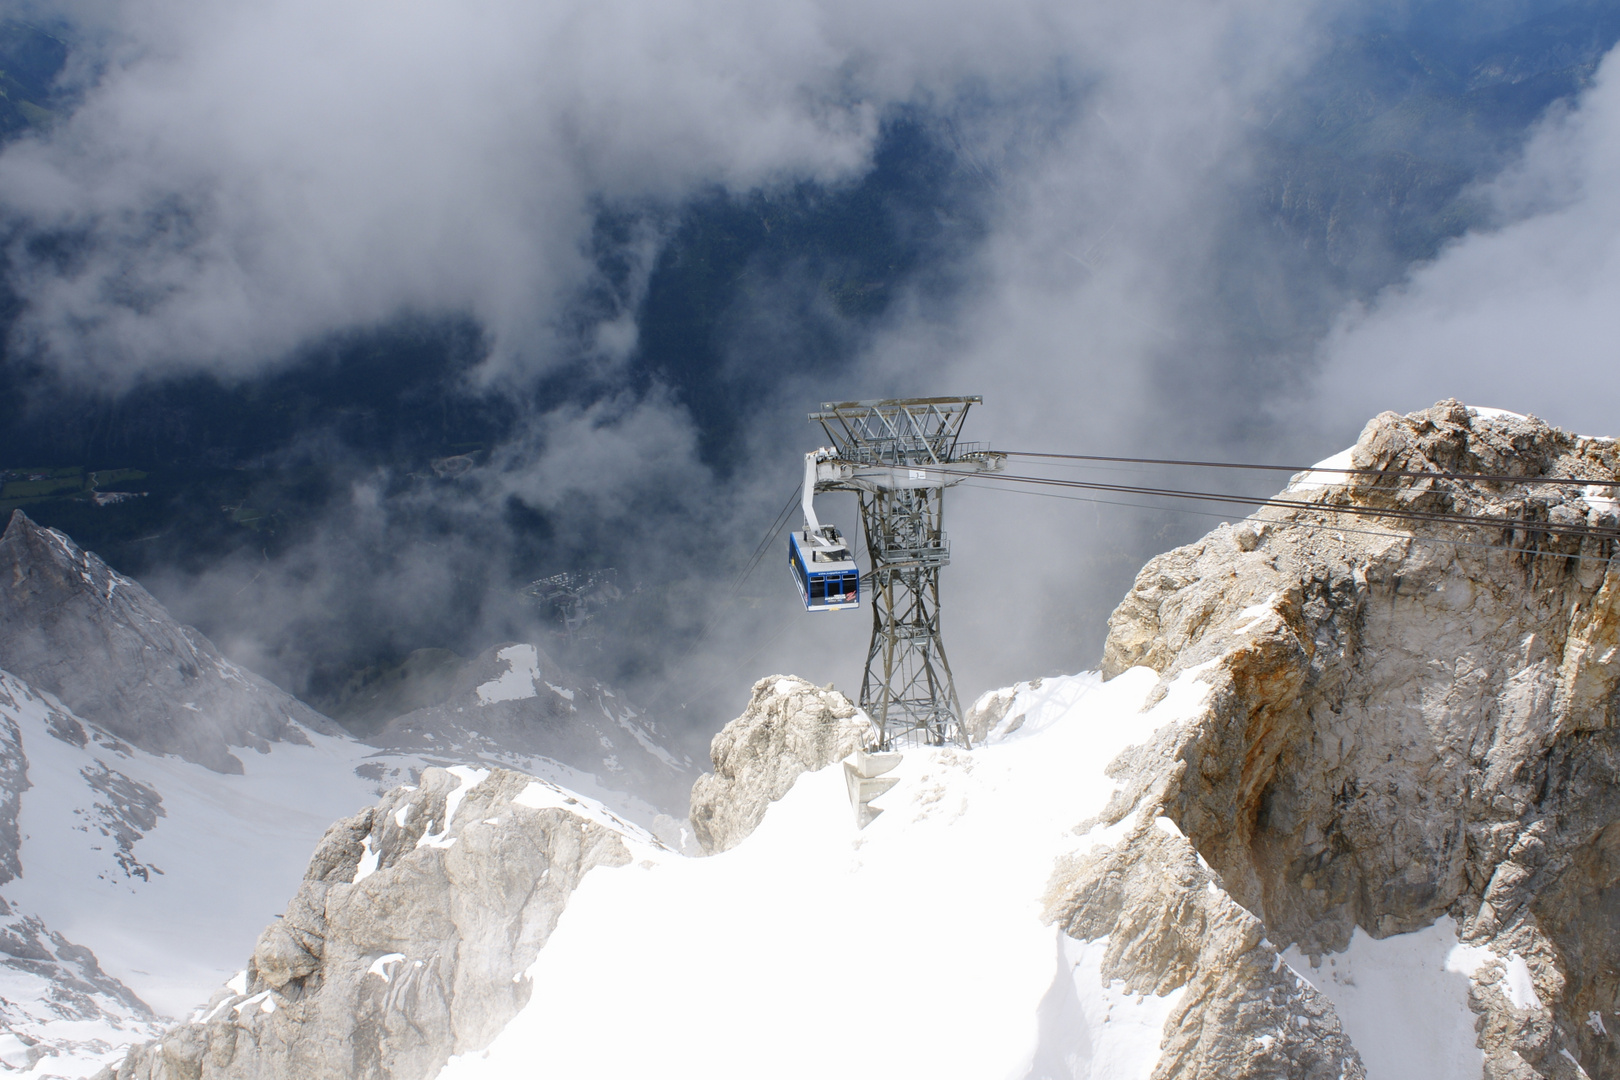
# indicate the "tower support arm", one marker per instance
pixel 807 502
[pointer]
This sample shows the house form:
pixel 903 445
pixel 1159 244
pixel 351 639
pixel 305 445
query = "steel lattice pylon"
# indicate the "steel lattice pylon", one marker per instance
pixel 899 456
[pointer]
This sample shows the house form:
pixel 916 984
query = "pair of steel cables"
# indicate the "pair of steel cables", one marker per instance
pixel 1031 485
pixel 729 595
pixel 1318 477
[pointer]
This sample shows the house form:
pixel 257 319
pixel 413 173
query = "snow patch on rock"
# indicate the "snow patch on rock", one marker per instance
pixel 517 682
pixel 1403 1001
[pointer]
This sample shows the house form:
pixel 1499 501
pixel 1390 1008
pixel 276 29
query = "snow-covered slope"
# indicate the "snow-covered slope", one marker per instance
pixel 919 947
pixel 157 862
pixel 160 869
pixel 930 944
pixel 916 947
pixel 60 1014
pixel 1345 809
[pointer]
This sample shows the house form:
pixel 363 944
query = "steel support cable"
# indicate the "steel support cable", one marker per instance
pixel 1476 477
pixel 765 544
pixel 1311 526
pixel 1400 513
pixel 731 591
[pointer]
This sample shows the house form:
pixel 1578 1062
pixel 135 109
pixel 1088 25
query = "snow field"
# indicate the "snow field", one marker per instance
pixel 1403 1001
pixel 232 850
pixel 914 948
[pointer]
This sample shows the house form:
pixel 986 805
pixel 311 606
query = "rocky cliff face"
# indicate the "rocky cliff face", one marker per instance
pixel 408 939
pixel 789 728
pixel 1402 723
pixel 97 640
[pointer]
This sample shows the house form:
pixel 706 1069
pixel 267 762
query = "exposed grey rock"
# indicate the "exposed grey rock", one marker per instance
pixel 108 649
pixel 514 700
pixel 125 812
pixel 1395 730
pixel 790 727
pixel 407 941
pixel 13 782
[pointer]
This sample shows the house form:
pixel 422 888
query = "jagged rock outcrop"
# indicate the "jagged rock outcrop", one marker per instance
pixel 1404 720
pixel 104 645
pixel 407 941
pixel 514 700
pixel 789 728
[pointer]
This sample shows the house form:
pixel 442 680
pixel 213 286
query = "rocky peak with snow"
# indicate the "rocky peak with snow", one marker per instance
pixel 409 939
pixel 101 643
pixel 140 853
pixel 1344 808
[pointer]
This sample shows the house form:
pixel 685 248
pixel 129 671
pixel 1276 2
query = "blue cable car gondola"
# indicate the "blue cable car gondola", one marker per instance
pixel 827 577
pixel 822 567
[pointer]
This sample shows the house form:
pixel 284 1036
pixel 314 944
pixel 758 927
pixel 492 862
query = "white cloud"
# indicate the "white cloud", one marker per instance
pixel 1084 326
pixel 250 175
pixel 244 177
pixel 1524 316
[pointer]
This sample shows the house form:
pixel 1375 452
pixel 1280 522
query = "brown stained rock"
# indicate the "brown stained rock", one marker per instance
pixel 1242 1015
pixel 1399 729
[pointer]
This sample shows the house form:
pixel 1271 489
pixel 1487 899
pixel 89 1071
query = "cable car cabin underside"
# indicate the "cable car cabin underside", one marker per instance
pixel 827 577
